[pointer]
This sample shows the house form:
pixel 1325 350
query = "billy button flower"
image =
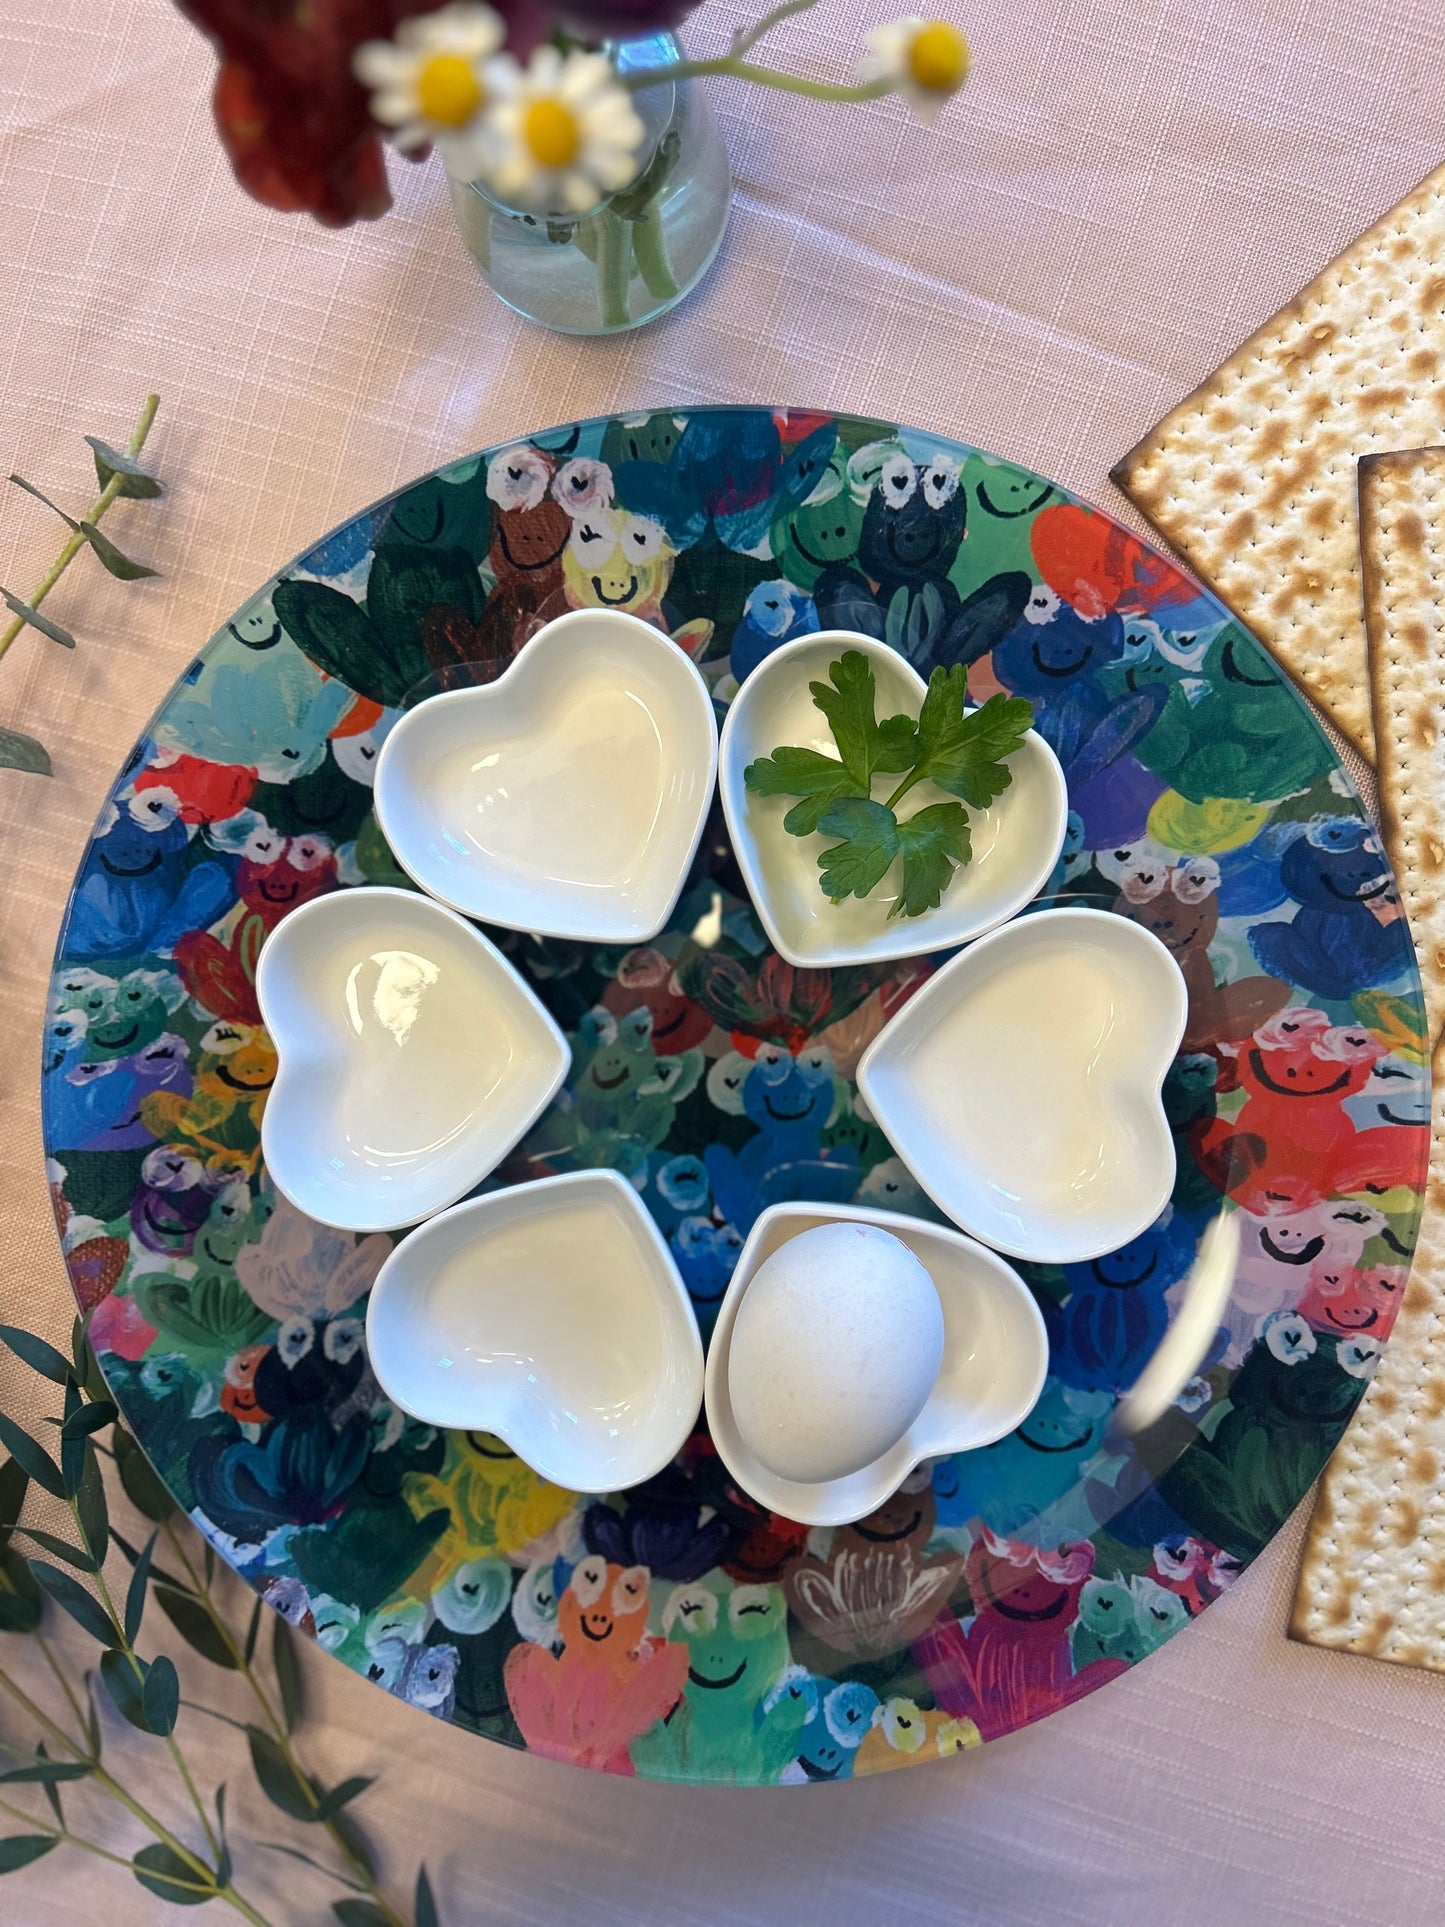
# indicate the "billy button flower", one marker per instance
pixel 432 82
pixel 561 133
pixel 928 60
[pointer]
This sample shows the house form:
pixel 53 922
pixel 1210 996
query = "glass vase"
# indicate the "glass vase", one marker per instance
pixel 638 252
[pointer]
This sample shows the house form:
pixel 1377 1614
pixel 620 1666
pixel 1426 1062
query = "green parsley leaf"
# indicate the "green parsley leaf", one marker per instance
pixel 849 702
pixel 932 841
pixel 870 842
pixel 819 780
pixel 961 750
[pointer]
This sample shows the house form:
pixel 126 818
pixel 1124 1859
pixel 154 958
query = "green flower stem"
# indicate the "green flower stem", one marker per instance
pixel 728 65
pixel 649 244
pixel 614 267
pixel 78 542
pixel 112 1786
pixel 274 1721
pixel 125 1647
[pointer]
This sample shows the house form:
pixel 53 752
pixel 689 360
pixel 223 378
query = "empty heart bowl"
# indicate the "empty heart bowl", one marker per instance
pixel 845 1361
pixel 1016 841
pixel 412 1057
pixel 568 797
pixel 552 1315
pixel 1021 1084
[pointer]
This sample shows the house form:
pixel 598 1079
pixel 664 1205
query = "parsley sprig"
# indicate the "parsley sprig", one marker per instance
pixel 957 749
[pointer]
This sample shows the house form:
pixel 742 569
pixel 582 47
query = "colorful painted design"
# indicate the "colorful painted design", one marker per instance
pixel 678 1631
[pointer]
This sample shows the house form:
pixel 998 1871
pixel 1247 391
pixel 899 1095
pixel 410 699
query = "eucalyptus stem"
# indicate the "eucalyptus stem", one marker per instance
pixel 77 542
pixel 274 1721
pixel 74 1840
pixel 65 1686
pixel 172 1744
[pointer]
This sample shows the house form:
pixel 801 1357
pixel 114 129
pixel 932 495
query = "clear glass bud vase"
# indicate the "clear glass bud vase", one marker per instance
pixel 638 252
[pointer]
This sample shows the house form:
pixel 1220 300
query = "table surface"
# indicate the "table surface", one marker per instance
pixel 1125 190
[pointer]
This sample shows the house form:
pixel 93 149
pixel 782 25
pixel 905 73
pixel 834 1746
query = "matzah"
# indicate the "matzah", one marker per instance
pixel 1373 1578
pixel 1402 553
pixel 1252 478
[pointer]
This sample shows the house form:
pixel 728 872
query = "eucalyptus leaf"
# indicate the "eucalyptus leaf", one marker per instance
pixel 92 1717
pixel 126 1687
pixel 14 1484
pixel 252 1630
pixel 31 1456
pixel 359 1913
pixel 223 1864
pixel 41 1770
pixel 159 1575
pixel 195 1626
pixel 61 1549
pixel 91 1508
pixel 22 752
pixel 90 1418
pixel 135 1598
pixel 79 1344
pixel 343 1795
pixel 83 1608
pixel 278 1782
pixel 30 489
pixel 137 483
pixel 162 1871
pixel 93 1378
pixel 144 1486
pixel 162 1696
pixel 21 1848
pixel 19 1594
pixel 113 560
pixel 288 1671
pixel 426 1906
pixel 37 1354
pixel 72 1449
pixel 51 1788
pixel 31 615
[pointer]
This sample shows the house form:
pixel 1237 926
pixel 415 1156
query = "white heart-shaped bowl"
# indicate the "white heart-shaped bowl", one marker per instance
pixel 995 1356
pixel 412 1057
pixel 1016 841
pixel 568 797
pixel 552 1315
pixel 1021 1084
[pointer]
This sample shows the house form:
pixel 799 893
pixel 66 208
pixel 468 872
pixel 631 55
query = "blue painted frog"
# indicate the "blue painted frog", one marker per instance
pixel 790 1099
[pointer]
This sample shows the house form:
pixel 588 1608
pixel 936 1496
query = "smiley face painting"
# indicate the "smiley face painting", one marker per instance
pixel 679 1631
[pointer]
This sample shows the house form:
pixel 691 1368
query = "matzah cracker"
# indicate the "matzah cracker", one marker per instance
pixel 1402 553
pixel 1373 1578
pixel 1252 478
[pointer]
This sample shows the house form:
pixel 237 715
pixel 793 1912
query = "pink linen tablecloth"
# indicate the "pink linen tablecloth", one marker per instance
pixel 1125 190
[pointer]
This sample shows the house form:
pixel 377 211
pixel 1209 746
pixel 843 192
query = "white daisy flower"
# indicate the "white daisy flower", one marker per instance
pixel 926 59
pixel 431 82
pixel 563 132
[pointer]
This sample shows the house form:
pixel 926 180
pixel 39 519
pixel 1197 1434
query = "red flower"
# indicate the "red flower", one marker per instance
pixel 293 117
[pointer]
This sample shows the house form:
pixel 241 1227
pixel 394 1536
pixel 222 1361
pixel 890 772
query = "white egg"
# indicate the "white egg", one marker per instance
pixel 836 1346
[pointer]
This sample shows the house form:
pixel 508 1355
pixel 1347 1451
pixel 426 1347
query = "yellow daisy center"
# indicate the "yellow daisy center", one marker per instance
pixel 938 57
pixel 448 91
pixel 551 133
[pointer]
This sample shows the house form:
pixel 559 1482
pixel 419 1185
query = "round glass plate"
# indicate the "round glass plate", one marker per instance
pixel 678 1632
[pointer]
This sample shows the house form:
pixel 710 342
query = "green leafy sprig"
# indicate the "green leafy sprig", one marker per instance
pixel 120 475
pixel 960 750
pixel 145 1691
